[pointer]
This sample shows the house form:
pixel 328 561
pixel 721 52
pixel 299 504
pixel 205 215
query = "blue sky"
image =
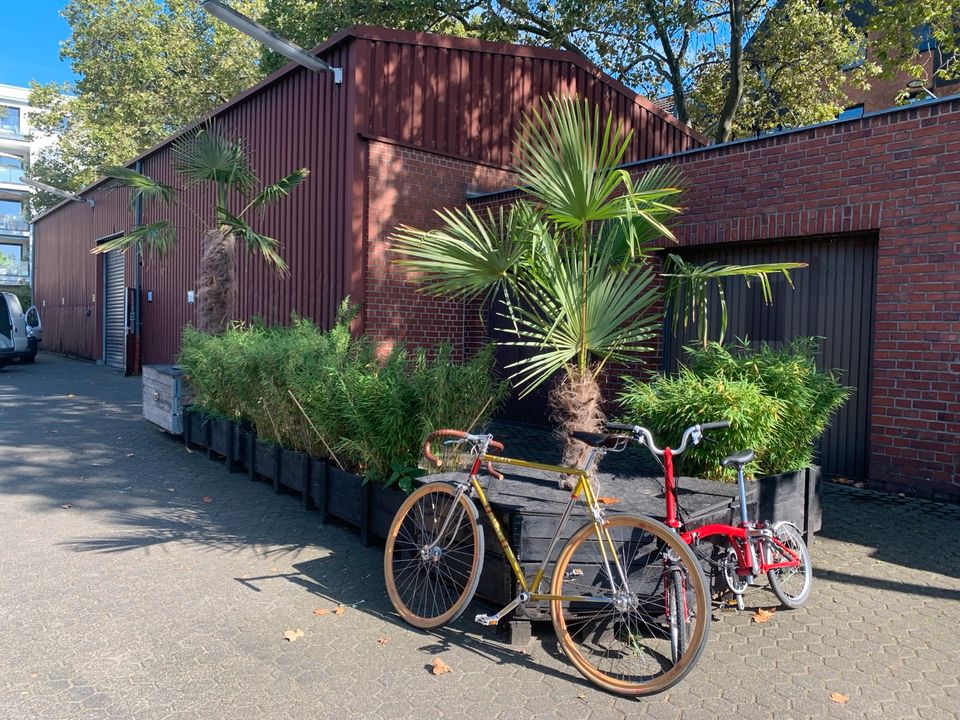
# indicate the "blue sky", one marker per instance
pixel 30 50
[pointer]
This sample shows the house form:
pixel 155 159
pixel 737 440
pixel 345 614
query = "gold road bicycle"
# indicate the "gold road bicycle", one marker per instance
pixel 628 599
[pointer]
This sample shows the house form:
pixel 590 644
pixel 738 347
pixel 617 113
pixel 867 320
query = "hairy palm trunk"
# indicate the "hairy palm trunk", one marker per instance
pixel 576 404
pixel 217 268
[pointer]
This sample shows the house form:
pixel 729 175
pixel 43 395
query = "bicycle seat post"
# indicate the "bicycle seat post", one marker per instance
pixel 742 491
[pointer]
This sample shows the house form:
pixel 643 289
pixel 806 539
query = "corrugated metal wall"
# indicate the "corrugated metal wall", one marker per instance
pixel 833 298
pixel 451 96
pixel 466 98
pixel 69 282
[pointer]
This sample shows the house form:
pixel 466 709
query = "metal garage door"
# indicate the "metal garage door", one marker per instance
pixel 115 320
pixel 833 298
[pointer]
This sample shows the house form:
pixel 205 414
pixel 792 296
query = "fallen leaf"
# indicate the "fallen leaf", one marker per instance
pixel 582 696
pixel 66 506
pixel 608 500
pixel 839 698
pixel 860 485
pixel 274 570
pixel 189 450
pixel 171 489
pixel 321 612
pixel 71 395
pixel 340 610
pixel 383 640
pixel 129 454
pixel 207 499
pixel 762 616
pixel 292 635
pixel 439 667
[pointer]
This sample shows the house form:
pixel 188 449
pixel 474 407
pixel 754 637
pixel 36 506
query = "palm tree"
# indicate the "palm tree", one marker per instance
pixel 208 157
pixel 569 266
pixel 569 269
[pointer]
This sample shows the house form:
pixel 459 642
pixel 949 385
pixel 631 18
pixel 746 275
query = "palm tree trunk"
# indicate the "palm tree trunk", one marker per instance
pixel 576 404
pixel 217 269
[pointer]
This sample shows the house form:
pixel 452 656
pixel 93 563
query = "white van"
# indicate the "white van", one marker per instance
pixel 19 331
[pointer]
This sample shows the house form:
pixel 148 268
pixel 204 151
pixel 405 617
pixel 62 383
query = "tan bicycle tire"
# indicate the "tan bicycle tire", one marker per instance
pixel 471 578
pixel 698 591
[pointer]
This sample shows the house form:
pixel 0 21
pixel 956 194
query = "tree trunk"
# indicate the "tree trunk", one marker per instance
pixel 217 269
pixel 576 404
pixel 735 89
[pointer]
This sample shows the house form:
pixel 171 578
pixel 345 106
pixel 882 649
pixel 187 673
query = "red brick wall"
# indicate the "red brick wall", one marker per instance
pixel 898 174
pixel 406 185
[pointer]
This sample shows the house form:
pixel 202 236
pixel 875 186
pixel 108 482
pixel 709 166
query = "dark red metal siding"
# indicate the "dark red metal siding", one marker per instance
pixel 69 281
pixel 300 121
pixel 468 102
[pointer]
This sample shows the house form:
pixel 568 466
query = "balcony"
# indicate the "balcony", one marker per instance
pixel 13 273
pixel 11 175
pixel 13 224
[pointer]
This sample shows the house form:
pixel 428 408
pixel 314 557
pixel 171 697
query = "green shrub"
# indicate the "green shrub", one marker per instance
pixel 669 405
pixel 328 394
pixel 809 396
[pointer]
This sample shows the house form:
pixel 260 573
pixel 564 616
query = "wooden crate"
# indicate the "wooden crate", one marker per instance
pixel 165 394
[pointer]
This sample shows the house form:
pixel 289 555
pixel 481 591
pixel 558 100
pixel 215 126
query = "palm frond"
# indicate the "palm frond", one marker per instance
pixel 254 241
pixel 142 186
pixel 210 156
pixel 156 239
pixel 278 191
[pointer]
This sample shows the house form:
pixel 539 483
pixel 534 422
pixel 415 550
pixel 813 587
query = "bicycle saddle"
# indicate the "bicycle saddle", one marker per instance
pixel 597 439
pixel 739 458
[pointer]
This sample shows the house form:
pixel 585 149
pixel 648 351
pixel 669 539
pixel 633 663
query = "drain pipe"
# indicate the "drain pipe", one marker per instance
pixel 137 281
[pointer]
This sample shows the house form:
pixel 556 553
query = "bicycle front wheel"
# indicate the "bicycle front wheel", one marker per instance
pixel 634 612
pixel 433 555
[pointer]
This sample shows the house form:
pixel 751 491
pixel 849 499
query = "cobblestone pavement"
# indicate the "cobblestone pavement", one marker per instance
pixel 125 594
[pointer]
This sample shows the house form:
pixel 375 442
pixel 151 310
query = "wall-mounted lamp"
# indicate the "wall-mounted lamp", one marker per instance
pixel 56 191
pixel 273 41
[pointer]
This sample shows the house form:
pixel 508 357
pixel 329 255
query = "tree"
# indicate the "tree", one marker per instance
pixel 729 66
pixel 208 157
pixel 146 69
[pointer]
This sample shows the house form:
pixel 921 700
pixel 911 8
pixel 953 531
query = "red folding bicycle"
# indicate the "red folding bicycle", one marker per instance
pixel 749 549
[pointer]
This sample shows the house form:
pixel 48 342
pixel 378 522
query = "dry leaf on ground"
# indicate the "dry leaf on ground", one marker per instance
pixel 292 635
pixel 321 612
pixel 189 450
pixel 762 616
pixel 439 667
pixel 340 610
pixel 207 499
pixel 607 500
pixel 383 640
pixel 129 454
pixel 66 506
pixel 839 698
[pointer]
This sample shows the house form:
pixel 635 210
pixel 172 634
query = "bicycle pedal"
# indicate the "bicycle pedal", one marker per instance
pixel 485 620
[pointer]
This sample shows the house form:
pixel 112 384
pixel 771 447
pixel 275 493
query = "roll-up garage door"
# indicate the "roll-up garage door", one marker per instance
pixel 833 299
pixel 115 320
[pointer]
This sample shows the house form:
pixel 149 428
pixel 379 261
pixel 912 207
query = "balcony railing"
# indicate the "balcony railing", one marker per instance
pixel 15 270
pixel 11 175
pixel 13 223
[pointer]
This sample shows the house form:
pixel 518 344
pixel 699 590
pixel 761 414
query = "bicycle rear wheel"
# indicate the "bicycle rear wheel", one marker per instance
pixel 636 612
pixel 433 555
pixel 791 585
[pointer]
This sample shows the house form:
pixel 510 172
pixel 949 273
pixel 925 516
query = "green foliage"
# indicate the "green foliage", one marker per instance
pixel 668 406
pixel 24 294
pixel 146 68
pixel 777 402
pixel 328 394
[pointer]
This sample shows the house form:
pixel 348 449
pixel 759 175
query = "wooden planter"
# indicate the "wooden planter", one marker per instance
pixel 791 496
pixel 295 472
pixel 165 395
pixel 345 496
pixel 220 438
pixel 318 487
pixel 384 503
pixel 196 429
pixel 266 462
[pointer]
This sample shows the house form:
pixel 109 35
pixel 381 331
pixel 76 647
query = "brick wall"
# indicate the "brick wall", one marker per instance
pixel 897 174
pixel 406 185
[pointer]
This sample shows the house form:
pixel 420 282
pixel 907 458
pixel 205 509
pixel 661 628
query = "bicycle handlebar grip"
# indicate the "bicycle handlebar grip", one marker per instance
pixel 715 425
pixel 619 426
pixel 437 434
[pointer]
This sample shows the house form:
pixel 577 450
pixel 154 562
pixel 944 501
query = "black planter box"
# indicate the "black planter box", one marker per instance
pixel 384 503
pixel 195 428
pixel 295 472
pixel 318 487
pixel 242 447
pixel 219 438
pixel 266 461
pixel 344 495
pixel 792 497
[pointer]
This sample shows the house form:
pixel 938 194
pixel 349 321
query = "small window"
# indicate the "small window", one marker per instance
pixel 854 111
pixel 10 258
pixel 10 120
pixel 925 39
